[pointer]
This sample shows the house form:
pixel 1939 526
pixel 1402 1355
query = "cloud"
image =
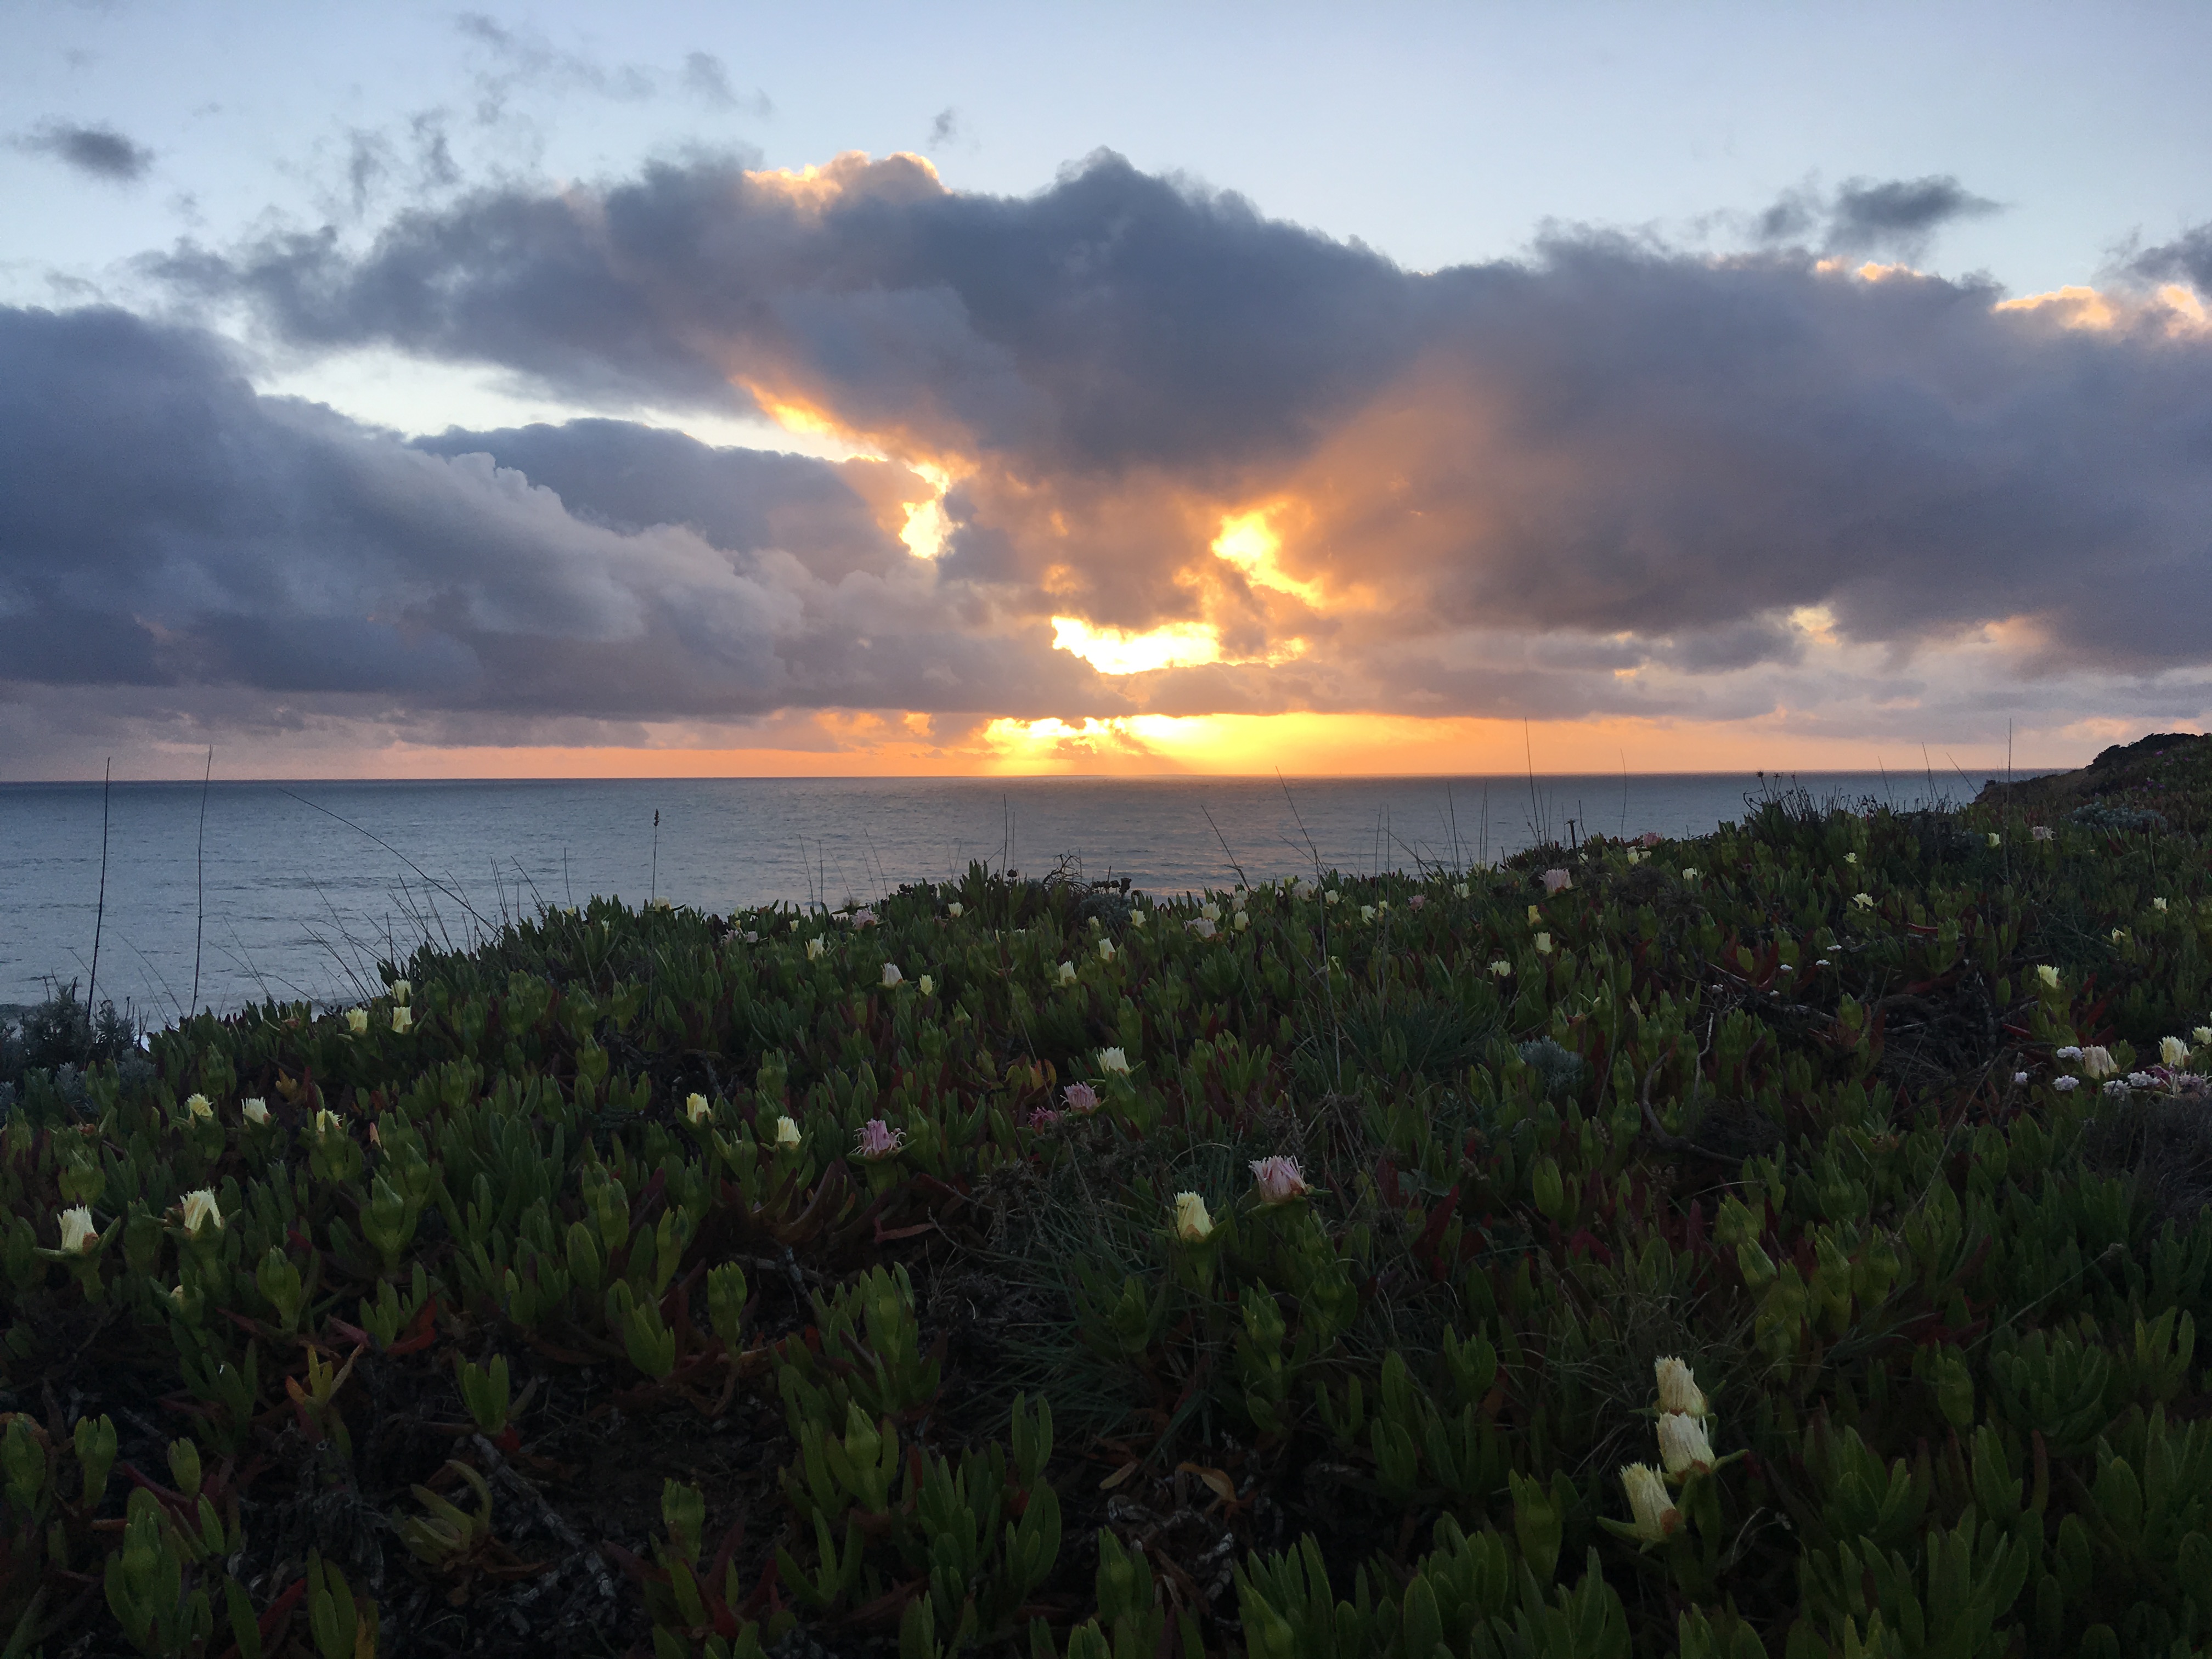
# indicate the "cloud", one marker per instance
pixel 943 128
pixel 2188 258
pixel 1609 479
pixel 95 148
pixel 197 541
pixel 1897 217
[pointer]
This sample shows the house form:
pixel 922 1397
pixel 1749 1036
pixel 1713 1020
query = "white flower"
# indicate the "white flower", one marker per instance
pixel 2049 975
pixel 1192 1224
pixel 1864 900
pixel 891 975
pixel 1280 1179
pixel 403 1019
pixel 357 1021
pixel 660 904
pixel 2019 1077
pixel 787 1132
pixel 2116 1086
pixel 1996 840
pixel 2119 935
pixel 79 1236
pixel 1543 944
pixel 1554 880
pixel 2158 904
pixel 1850 858
pixel 1678 1387
pixel 1501 968
pixel 1635 857
pixel 814 948
pixel 1683 1445
pixel 403 993
pixel 2066 1085
pixel 326 1122
pixel 2098 1062
pixel 1210 910
pixel 1459 891
pixel 695 1108
pixel 197 1106
pixel 200 1211
pixel 2043 832
pixel 1113 1060
pixel 1690 877
pixel 1367 913
pixel 1330 897
pixel 1106 945
pixel 955 910
pixel 1201 926
pixel 927 986
pixel 1243 920
pixel 2172 1051
pixel 2202 1036
pixel 256 1110
pixel 1654 1511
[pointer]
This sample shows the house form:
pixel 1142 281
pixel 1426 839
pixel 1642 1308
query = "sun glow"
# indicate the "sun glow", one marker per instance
pixel 1117 651
pixel 1248 541
pixel 927 526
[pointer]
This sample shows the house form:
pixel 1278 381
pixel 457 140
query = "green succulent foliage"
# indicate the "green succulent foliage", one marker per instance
pixel 1794 1102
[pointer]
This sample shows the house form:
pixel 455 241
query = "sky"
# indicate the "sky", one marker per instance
pixel 409 391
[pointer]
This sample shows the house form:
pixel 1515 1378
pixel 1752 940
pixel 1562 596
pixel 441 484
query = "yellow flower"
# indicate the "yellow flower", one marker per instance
pixel 1501 968
pixel 1996 840
pixel 1543 944
pixel 695 1108
pixel 1067 973
pixel 2049 975
pixel 197 1106
pixel 1210 910
pixel 402 992
pixel 403 1019
pixel 79 1236
pixel 787 1132
pixel 1367 913
pixel 954 909
pixel 927 986
pixel 814 948
pixel 1534 914
pixel 357 1021
pixel 1654 1511
pixel 1106 947
pixel 1115 1061
pixel 1243 920
pixel 1678 1387
pixel 2202 1036
pixel 200 1211
pixel 1192 1224
pixel 2172 1051
pixel 1683 1445
pixel 1864 900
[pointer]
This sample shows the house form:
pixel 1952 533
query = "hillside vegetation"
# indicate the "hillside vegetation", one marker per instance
pixel 1787 1243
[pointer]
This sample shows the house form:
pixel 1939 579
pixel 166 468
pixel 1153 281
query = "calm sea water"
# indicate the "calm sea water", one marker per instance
pixel 290 901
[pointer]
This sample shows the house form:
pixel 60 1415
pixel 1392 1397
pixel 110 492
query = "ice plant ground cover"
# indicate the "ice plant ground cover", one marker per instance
pixel 1753 1271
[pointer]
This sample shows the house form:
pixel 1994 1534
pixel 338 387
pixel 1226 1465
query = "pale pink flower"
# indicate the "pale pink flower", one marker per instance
pixel 864 919
pixel 1417 901
pixel 2043 832
pixel 1081 1097
pixel 1280 1179
pixel 878 1139
pixel 1649 838
pixel 1043 1118
pixel 1555 880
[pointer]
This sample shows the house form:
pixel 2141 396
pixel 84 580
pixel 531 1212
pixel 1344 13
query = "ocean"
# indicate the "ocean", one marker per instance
pixel 294 890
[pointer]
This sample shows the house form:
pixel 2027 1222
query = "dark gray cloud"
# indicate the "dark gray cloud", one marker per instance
pixel 186 532
pixel 1609 478
pixel 1894 217
pixel 1608 437
pixel 95 149
pixel 2188 258
pixel 943 128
